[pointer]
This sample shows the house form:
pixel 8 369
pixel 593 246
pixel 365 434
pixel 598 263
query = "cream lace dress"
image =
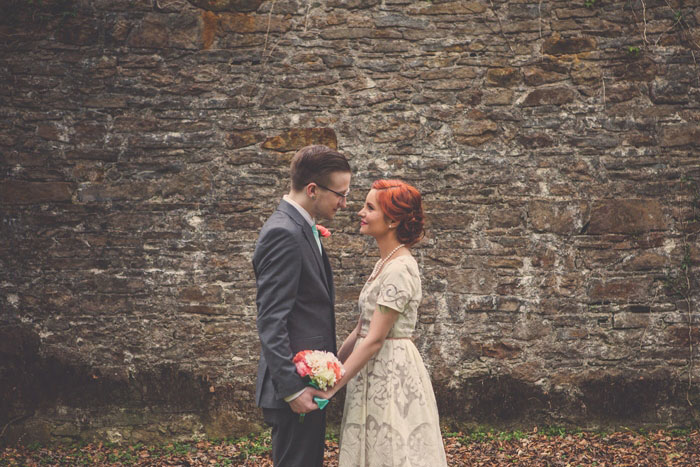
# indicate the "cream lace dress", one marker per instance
pixel 390 416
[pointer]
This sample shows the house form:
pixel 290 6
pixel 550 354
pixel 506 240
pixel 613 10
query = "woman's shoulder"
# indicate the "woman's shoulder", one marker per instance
pixel 404 264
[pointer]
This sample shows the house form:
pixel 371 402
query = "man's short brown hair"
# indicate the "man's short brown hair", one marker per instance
pixel 316 164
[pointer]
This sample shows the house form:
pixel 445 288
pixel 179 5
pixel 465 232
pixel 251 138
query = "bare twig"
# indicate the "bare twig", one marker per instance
pixel 306 17
pixel 269 22
pixel 656 42
pixel 684 25
pixel 500 25
pixel 644 18
pixel 682 284
pixel 2 433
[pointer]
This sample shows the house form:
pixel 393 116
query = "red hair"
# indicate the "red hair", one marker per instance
pixel 401 203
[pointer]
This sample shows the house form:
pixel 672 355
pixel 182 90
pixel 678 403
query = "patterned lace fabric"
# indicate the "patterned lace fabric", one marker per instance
pixel 390 416
pixel 398 287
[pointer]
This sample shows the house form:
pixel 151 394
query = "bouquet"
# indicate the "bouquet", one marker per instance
pixel 320 369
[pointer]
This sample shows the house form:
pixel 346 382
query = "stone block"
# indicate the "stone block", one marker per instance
pixel 645 261
pixel 275 98
pixel 567 13
pixel 152 32
pixel 506 217
pixel 78 31
pixel 241 6
pixel 494 96
pixel 586 74
pixel 626 216
pixel 532 328
pixel 621 92
pixel 399 21
pixel 474 132
pixel 449 8
pixel 503 77
pixel 536 76
pixel 353 4
pixel 508 304
pixel 22 192
pixel 665 91
pixel 557 45
pixel 549 96
pixel 346 33
pixel 625 320
pixel 337 60
pixel 500 262
pixel 472 281
pixel 207 294
pixel 51 132
pixel 643 69
pixel 563 218
pixel 297 138
pixel 241 23
pixel 203 310
pixel 513 27
pixel 500 350
pixel 462 72
pixel 241 139
pixel 680 135
pixel 535 140
pixel 618 290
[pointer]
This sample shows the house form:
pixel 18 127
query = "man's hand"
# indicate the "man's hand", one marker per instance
pixel 305 402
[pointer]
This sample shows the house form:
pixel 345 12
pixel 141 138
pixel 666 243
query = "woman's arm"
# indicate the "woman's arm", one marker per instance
pixel 382 321
pixel 349 343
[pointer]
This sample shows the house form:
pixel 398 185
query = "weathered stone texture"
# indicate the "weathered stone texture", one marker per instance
pixel 144 143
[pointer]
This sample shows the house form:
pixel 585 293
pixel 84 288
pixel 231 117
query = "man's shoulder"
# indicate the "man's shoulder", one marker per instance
pixel 278 227
pixel 279 220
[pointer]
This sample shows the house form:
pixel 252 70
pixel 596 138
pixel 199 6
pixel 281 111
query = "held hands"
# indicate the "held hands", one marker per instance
pixel 305 402
pixel 326 394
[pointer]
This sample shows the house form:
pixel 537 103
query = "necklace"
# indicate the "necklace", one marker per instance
pixel 380 263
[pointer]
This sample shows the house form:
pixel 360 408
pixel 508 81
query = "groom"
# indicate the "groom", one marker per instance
pixel 295 299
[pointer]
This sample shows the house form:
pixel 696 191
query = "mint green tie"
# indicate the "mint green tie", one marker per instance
pixel 318 240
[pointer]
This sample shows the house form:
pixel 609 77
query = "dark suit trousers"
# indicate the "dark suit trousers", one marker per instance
pixel 297 444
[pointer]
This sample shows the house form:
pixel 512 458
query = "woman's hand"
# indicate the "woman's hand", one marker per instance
pixel 327 394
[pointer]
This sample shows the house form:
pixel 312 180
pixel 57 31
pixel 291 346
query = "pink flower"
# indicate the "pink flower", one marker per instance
pixel 337 369
pixel 302 368
pixel 322 231
pixel 323 368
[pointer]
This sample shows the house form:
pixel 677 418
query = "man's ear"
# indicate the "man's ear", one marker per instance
pixel 311 190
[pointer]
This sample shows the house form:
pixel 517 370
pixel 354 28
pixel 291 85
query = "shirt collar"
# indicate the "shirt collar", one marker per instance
pixel 305 214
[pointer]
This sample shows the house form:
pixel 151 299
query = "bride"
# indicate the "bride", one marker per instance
pixel 390 416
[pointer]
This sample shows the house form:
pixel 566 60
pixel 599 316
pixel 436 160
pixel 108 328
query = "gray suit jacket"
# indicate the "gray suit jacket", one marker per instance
pixel 295 300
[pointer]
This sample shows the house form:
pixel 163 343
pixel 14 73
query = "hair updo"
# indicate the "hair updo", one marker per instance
pixel 401 203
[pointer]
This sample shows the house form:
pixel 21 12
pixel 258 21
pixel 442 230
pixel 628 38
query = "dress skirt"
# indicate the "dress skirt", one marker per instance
pixel 390 416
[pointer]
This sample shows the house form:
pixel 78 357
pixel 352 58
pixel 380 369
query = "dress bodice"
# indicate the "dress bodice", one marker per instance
pixel 398 287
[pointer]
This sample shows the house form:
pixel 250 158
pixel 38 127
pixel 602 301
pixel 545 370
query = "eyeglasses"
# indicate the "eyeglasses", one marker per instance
pixel 345 195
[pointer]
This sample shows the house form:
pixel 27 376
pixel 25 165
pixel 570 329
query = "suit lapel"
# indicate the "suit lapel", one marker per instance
pixel 329 275
pixel 309 236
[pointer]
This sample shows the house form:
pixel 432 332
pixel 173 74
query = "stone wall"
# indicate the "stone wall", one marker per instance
pixel 144 142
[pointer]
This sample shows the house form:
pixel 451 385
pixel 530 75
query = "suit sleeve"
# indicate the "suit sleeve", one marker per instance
pixel 278 268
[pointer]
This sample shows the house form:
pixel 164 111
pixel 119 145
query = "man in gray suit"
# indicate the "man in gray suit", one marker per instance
pixel 295 299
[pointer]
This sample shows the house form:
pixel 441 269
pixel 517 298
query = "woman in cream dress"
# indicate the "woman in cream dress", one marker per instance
pixel 390 416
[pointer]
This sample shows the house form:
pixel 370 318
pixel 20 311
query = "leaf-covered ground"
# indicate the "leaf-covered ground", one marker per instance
pixel 546 447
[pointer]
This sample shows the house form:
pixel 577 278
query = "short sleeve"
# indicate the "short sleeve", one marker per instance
pixel 398 286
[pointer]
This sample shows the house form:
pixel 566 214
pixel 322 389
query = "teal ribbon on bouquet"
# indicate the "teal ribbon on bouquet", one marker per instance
pixel 322 403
